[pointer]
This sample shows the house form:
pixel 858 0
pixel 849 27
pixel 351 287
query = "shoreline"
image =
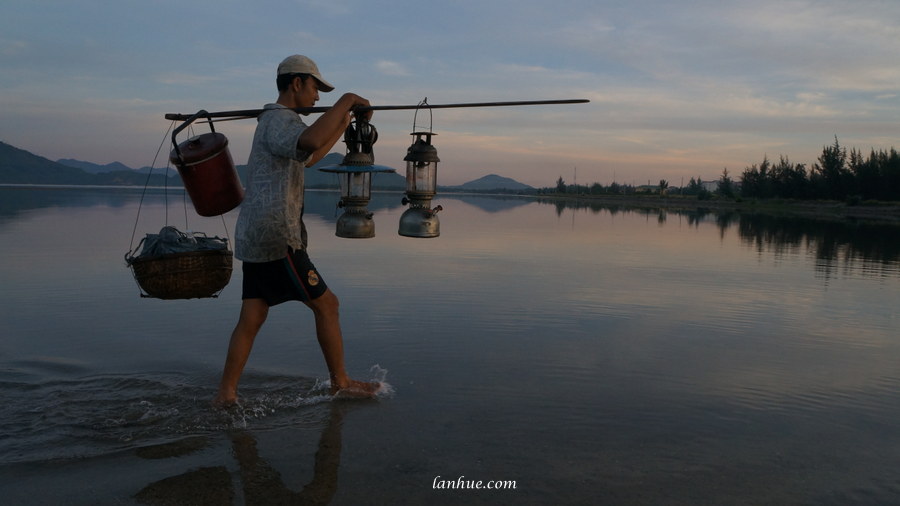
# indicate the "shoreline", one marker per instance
pixel 885 212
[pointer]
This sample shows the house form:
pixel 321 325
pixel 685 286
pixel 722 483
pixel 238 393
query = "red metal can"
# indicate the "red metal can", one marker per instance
pixel 208 173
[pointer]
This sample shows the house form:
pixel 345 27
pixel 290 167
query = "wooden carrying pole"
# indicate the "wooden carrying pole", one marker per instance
pixel 252 113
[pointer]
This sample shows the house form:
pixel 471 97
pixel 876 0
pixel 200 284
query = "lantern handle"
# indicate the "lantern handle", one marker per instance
pixel 424 103
pixel 360 135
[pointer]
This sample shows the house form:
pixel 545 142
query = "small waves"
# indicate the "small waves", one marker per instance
pixel 65 419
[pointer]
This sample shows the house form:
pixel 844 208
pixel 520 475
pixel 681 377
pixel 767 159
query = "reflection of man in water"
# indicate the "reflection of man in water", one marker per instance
pixel 262 484
pixel 270 237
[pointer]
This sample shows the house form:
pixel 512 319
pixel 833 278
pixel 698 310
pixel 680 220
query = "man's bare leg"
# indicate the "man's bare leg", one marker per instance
pixel 328 332
pixel 253 315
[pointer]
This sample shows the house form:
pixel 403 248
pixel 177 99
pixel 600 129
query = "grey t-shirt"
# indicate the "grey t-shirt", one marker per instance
pixel 270 217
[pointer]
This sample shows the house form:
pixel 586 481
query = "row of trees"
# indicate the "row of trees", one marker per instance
pixel 693 188
pixel 591 189
pixel 836 175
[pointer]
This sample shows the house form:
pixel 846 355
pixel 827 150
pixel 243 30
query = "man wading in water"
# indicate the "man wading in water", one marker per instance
pixel 270 237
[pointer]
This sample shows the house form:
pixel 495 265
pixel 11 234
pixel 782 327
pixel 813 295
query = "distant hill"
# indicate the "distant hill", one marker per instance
pixel 316 179
pixel 493 182
pixel 93 168
pixel 18 166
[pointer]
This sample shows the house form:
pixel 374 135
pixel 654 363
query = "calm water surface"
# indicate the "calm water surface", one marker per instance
pixel 591 355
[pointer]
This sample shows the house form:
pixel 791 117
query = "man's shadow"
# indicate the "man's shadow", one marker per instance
pixel 262 484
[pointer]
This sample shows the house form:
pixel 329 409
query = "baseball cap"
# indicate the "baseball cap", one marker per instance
pixel 299 64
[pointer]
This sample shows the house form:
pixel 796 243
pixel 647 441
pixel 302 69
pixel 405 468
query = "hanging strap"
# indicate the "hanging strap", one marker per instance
pixel 146 184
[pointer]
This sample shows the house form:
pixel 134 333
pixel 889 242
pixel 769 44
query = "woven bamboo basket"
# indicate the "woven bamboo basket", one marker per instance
pixel 189 275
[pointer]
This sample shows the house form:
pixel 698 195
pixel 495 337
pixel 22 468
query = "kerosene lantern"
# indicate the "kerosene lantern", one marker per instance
pixel 355 175
pixel 421 220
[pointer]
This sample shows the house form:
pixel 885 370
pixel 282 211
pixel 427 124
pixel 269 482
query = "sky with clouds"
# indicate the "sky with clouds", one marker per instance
pixel 678 89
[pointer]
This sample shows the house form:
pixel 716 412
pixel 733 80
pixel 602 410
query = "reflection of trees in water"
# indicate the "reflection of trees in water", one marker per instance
pixel 871 248
pixel 590 205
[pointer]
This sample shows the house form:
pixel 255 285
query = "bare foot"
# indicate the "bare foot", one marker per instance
pixel 356 390
pixel 224 401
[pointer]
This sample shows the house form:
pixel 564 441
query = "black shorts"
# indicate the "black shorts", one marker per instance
pixel 291 278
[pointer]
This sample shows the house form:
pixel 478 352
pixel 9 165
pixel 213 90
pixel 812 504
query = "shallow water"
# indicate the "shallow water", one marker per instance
pixel 592 355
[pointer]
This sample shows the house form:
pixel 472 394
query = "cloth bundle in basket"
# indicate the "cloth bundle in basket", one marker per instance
pixel 177 265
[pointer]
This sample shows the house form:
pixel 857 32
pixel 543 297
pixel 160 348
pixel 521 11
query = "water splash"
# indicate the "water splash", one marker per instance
pixel 378 375
pixel 95 415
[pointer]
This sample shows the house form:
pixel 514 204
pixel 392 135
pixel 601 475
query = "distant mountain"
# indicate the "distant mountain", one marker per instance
pixel 93 168
pixel 316 179
pixel 493 182
pixel 18 166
